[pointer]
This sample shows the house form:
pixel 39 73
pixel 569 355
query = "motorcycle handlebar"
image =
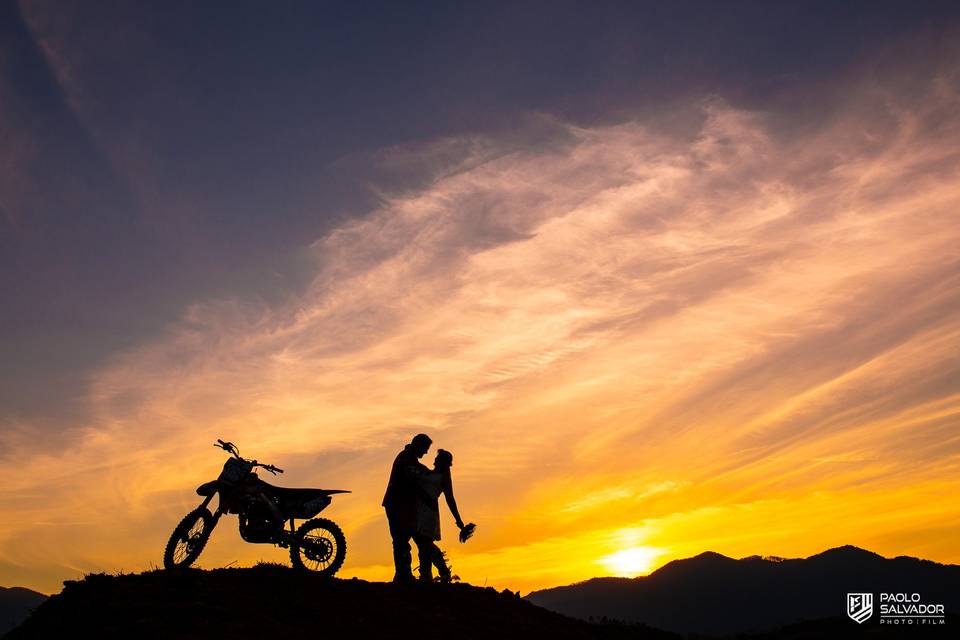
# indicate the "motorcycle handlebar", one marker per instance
pixel 232 448
pixel 229 447
pixel 226 446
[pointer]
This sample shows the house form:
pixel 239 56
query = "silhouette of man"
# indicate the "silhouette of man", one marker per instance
pixel 400 502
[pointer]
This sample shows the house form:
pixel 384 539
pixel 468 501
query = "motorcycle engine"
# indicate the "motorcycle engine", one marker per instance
pixel 256 522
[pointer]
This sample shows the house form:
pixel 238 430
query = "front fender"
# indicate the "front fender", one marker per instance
pixel 208 488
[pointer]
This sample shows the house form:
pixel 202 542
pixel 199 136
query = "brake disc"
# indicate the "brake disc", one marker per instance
pixel 318 550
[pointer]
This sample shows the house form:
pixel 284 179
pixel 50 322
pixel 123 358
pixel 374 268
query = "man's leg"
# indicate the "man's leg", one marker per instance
pixel 401 550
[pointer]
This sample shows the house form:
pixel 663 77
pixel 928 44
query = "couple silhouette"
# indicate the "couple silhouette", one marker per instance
pixel 412 503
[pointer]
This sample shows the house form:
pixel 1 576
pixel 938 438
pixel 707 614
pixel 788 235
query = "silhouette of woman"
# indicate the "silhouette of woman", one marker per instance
pixel 427 531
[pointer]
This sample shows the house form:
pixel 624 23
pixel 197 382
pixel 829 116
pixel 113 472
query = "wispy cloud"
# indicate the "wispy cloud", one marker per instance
pixel 677 331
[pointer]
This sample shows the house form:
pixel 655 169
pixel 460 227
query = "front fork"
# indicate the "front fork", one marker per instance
pixel 216 514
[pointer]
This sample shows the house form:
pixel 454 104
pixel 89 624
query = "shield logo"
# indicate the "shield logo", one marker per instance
pixel 859 606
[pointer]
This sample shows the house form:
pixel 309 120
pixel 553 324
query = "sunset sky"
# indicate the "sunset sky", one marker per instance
pixel 664 277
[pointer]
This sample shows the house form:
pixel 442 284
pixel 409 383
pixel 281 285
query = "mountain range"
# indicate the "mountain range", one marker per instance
pixel 713 594
pixel 16 603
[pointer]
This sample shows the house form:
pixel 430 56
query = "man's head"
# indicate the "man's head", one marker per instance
pixel 421 444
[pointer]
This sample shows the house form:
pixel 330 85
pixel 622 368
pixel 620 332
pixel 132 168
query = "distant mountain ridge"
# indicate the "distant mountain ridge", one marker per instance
pixel 16 603
pixel 711 593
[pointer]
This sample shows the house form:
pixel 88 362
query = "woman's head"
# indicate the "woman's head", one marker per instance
pixel 443 460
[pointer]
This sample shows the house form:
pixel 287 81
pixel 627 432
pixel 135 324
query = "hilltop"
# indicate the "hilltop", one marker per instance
pixel 278 601
pixel 753 598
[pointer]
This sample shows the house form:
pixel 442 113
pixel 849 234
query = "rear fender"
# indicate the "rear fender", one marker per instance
pixel 309 508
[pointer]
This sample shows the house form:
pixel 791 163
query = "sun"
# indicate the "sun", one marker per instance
pixel 631 562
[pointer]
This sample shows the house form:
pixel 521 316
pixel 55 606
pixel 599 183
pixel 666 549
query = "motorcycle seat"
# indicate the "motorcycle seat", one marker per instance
pixel 292 494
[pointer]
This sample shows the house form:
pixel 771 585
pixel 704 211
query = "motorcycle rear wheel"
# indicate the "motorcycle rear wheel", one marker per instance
pixel 319 546
pixel 188 539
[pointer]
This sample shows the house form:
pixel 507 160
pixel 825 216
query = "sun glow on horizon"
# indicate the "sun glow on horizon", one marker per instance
pixel 631 562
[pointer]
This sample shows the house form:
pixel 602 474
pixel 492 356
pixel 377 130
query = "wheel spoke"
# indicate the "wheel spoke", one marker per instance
pixel 320 547
pixel 188 540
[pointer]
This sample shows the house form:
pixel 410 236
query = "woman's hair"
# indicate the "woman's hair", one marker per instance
pixel 444 458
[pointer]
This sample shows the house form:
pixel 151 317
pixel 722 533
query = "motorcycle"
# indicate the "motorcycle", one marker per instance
pixel 317 545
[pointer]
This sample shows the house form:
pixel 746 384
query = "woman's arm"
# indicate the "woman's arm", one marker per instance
pixel 451 501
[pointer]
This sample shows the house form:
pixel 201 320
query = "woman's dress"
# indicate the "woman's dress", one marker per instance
pixel 428 504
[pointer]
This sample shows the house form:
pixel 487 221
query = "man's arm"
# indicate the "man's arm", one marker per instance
pixel 412 470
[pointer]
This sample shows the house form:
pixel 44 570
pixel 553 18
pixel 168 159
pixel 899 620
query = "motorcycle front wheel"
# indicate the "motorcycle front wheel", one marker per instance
pixel 188 539
pixel 319 546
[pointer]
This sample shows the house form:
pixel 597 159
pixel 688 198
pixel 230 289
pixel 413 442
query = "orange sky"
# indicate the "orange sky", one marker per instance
pixel 699 330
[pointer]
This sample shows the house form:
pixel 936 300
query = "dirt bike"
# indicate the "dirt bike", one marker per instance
pixel 317 545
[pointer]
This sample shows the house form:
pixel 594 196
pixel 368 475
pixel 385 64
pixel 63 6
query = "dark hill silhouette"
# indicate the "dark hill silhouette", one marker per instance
pixel 714 594
pixel 16 603
pixel 276 601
